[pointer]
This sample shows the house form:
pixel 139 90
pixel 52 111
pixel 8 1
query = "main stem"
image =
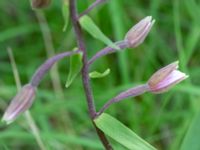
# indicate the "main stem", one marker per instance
pixel 81 46
pixel 85 73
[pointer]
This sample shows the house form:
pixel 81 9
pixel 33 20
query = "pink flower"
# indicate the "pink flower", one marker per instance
pixel 165 78
pixel 138 33
pixel 20 103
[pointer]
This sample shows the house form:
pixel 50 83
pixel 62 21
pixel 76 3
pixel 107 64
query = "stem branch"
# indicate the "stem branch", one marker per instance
pixel 45 67
pixel 91 7
pixel 108 50
pixel 133 92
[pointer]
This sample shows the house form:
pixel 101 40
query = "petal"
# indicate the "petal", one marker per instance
pixel 20 103
pixel 172 79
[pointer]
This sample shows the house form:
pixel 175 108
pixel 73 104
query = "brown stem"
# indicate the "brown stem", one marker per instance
pixel 85 72
pixel 103 138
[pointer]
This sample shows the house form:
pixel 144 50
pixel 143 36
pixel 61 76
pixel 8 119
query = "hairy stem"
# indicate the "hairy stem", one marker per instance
pixel 108 50
pixel 45 67
pixel 85 73
pixel 133 92
pixel 81 46
pixel 50 50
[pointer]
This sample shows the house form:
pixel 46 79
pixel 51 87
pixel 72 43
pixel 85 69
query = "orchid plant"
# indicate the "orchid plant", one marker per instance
pixel 159 82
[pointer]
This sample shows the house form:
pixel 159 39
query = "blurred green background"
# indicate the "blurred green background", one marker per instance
pixel 167 120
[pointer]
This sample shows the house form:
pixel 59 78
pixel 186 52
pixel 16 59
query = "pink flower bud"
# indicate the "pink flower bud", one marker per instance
pixel 165 78
pixel 20 103
pixel 138 33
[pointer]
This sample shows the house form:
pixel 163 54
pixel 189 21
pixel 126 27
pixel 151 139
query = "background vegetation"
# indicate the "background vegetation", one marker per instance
pixel 61 114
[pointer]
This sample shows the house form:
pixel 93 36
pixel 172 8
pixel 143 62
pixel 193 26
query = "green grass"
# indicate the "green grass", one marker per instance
pixel 163 120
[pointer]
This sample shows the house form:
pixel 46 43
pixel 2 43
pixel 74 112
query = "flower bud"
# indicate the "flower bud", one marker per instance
pixel 40 3
pixel 20 103
pixel 165 78
pixel 138 33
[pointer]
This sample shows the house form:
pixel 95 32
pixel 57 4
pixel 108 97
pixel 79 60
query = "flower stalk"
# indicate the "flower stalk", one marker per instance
pixel 133 92
pixel 45 67
pixel 108 50
pixel 24 99
pixel 161 81
pixel 134 37
pixel 91 7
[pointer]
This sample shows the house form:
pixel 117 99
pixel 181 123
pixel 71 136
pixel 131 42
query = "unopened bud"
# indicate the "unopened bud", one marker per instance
pixel 40 3
pixel 138 33
pixel 20 103
pixel 165 78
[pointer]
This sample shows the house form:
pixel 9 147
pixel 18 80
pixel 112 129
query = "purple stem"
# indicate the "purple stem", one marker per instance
pixel 46 66
pixel 81 46
pixel 108 50
pixel 133 92
pixel 91 7
pixel 85 73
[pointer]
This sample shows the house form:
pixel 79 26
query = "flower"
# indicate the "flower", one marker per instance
pixel 138 33
pixel 165 78
pixel 20 103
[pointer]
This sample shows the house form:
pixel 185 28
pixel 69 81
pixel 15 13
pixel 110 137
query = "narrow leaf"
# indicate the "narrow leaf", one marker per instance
pixel 119 132
pixel 65 12
pixel 191 140
pixel 88 24
pixel 75 67
pixel 96 74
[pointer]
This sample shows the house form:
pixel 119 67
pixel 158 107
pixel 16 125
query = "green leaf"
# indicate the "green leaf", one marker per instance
pixel 119 132
pixel 88 24
pixel 96 74
pixel 65 12
pixel 75 67
pixel 191 140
